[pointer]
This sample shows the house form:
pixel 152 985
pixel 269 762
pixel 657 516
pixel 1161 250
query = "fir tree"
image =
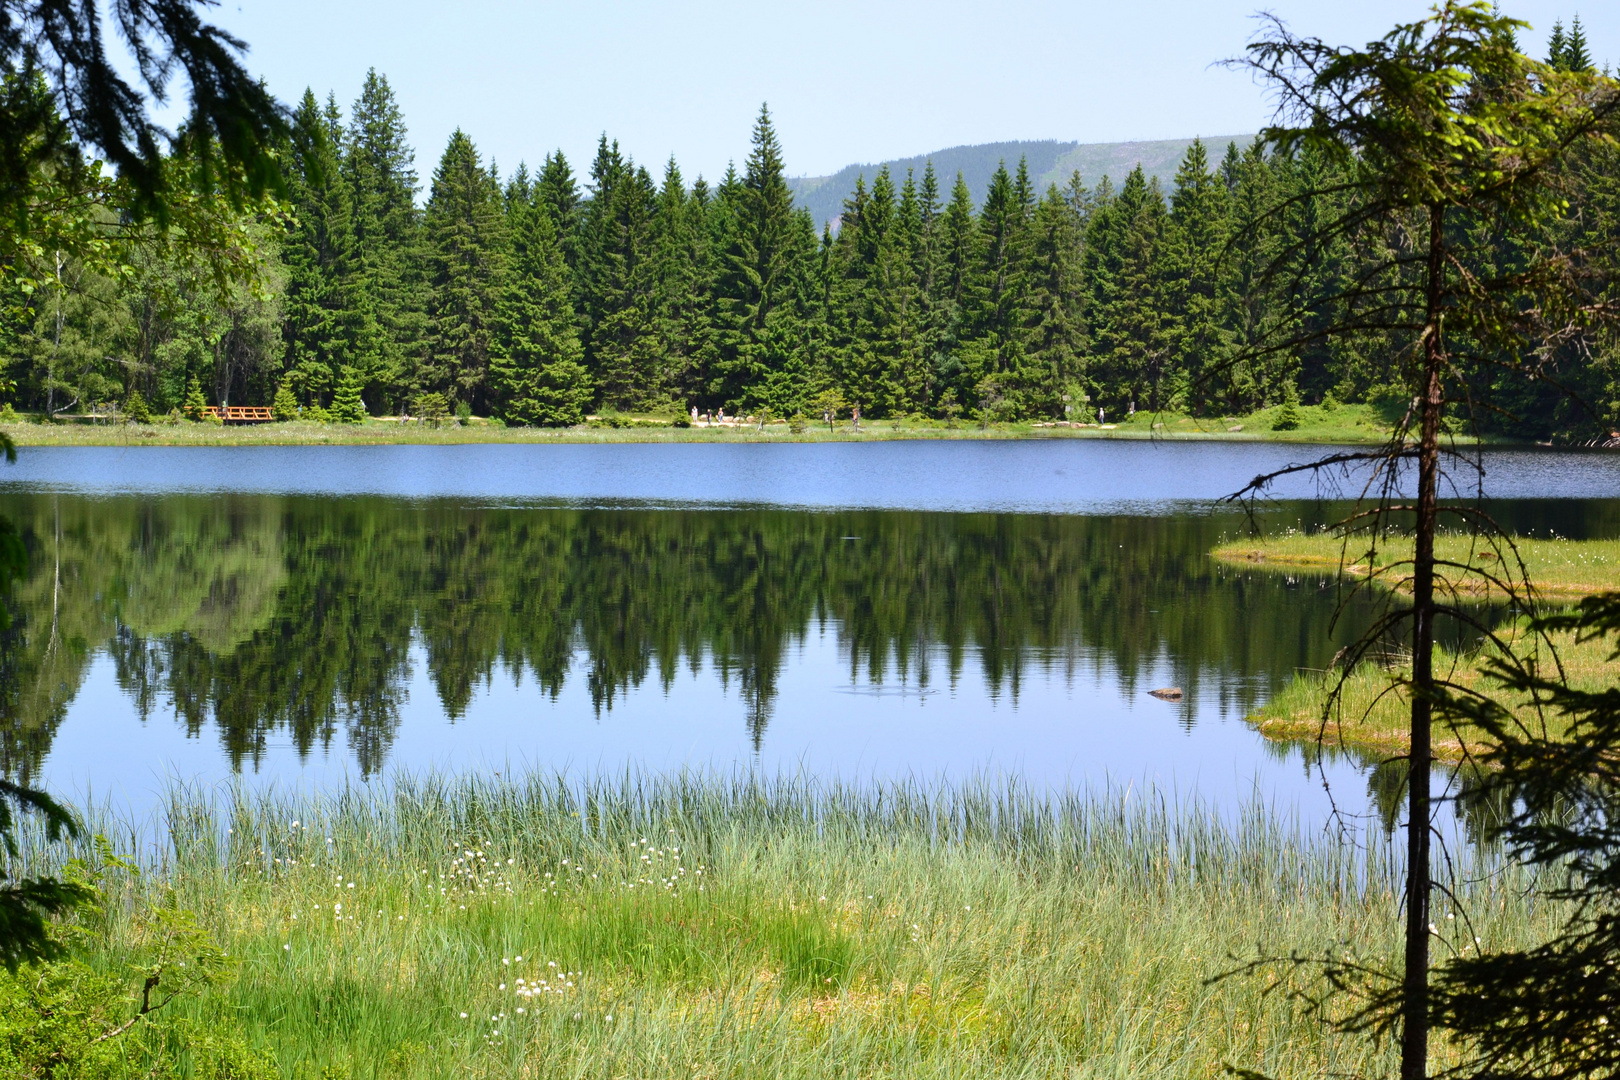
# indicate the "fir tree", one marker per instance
pixel 390 267
pixel 285 406
pixel 196 405
pixel 1053 358
pixel 1194 242
pixel 328 319
pixel 348 407
pixel 958 365
pixel 537 371
pixel 466 240
pixel 1002 318
pixel 760 336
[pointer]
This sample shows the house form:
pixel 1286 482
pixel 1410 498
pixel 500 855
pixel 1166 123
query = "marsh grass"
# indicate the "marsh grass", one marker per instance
pixel 732 927
pixel 1558 568
pixel 1374 711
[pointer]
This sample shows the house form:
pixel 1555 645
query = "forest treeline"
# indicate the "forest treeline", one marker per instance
pixel 542 295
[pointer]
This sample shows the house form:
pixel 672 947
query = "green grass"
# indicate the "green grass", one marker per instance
pixel 1558 568
pixel 1374 714
pixel 716 927
pixel 1344 424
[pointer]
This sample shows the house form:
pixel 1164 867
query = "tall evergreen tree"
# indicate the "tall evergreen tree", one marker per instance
pixel 760 331
pixel 1194 242
pixel 466 240
pixel 378 164
pixel 1001 321
pixel 1052 373
pixel 328 319
pixel 958 366
pixel 537 371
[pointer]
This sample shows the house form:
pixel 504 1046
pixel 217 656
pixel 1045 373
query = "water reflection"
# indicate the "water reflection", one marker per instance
pixel 248 617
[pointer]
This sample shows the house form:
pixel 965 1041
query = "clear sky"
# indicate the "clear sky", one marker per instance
pixel 847 80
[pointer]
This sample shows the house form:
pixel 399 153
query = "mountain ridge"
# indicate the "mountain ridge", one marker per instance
pixel 1051 161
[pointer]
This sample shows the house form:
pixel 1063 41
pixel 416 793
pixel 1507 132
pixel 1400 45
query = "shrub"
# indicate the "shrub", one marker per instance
pixel 285 406
pixel 1287 418
pixel 196 405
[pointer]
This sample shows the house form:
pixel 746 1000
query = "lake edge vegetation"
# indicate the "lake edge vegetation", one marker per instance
pixel 727 925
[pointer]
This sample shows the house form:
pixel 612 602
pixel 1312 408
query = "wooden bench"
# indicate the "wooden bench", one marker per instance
pixel 242 414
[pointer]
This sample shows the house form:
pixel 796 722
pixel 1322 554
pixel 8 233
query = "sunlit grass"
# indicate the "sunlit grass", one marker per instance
pixel 728 927
pixel 1557 568
pixel 1345 424
pixel 1374 711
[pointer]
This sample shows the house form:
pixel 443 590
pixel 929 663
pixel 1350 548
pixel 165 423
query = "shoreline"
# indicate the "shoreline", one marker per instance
pixel 380 432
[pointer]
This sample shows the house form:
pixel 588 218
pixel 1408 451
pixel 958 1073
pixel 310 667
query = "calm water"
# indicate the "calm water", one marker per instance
pixel 318 615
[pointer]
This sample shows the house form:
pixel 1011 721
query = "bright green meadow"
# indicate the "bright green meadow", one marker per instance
pixel 717 927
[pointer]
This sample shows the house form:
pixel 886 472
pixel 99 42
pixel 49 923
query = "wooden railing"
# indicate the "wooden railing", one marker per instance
pixel 242 414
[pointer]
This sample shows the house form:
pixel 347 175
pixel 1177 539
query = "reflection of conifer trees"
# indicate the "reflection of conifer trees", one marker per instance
pixel 296 617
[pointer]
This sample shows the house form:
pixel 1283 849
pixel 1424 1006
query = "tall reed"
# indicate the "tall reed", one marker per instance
pixel 731 925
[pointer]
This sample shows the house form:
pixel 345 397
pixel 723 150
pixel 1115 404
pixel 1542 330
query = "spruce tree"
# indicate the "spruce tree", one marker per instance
pixel 1194 241
pixel 136 410
pixel 1556 44
pixel 958 364
pixel 1001 320
pixel 1054 353
pixel 285 405
pixel 681 270
pixel 1577 57
pixel 328 320
pixel 537 372
pixel 378 164
pixel 466 242
pixel 348 406
pixel 556 192
pixel 759 328
pixel 620 278
pixel 196 405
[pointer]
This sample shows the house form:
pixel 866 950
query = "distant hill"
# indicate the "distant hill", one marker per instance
pixel 1050 162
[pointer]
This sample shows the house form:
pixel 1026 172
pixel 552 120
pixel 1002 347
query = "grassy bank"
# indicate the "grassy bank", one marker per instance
pixel 1375 715
pixel 1558 568
pixel 1344 424
pixel 714 928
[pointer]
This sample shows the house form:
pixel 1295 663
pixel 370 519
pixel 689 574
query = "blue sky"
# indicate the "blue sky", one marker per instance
pixel 847 81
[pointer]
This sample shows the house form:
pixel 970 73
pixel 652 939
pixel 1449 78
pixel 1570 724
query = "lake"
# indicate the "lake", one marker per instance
pixel 317 616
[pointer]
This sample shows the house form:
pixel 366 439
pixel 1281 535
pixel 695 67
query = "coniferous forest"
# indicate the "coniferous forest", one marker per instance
pixel 541 296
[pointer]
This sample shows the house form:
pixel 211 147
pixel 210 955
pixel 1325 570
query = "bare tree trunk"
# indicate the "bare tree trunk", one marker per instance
pixel 1415 986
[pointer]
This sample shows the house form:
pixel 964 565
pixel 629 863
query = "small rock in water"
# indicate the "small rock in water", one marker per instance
pixel 1168 693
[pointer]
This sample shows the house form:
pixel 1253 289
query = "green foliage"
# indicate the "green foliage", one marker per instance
pixel 431 406
pixel 347 405
pixel 196 405
pixel 136 410
pixel 285 406
pixel 1553 780
pixel 466 244
pixel 1287 418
